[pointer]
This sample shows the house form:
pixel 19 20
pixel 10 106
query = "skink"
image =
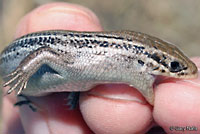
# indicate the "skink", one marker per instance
pixel 55 61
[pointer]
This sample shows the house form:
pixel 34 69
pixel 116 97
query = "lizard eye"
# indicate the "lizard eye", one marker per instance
pixel 175 66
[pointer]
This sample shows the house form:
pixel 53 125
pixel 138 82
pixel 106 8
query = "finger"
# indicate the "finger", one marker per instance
pixel 114 109
pixel 55 16
pixel 52 116
pixel 58 16
pixel 11 122
pixel 34 25
pixel 177 105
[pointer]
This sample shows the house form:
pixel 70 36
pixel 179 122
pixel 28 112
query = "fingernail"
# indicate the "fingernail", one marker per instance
pixel 58 16
pixel 198 74
pixel 73 8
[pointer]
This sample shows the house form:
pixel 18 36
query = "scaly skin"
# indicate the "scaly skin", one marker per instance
pixel 73 61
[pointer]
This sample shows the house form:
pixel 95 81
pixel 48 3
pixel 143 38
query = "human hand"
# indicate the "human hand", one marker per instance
pixel 106 109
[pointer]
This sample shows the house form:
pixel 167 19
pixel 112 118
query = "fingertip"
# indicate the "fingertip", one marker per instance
pixel 176 105
pixel 54 16
pixel 115 106
pixel 52 115
pixel 11 122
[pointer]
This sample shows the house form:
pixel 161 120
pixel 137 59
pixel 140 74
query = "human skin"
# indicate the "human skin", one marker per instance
pixel 106 109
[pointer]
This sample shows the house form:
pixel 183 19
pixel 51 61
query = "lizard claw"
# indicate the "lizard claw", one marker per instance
pixel 12 73
pixel 12 79
pixel 21 81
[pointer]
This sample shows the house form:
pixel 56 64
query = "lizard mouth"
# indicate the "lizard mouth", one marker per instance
pixel 186 75
pixel 159 79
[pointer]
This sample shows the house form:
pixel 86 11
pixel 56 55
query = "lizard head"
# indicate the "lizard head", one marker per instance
pixel 172 62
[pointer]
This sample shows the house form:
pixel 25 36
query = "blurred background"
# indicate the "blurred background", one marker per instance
pixel 175 21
